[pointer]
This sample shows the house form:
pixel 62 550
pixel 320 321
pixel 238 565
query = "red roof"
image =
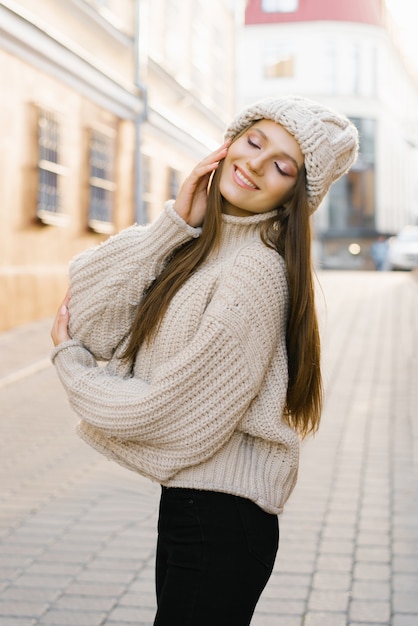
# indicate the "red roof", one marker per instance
pixel 362 11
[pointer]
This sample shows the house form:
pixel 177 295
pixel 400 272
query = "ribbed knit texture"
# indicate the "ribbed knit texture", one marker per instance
pixel 203 406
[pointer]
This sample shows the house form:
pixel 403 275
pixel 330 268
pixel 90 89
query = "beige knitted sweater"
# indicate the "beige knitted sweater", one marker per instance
pixel 203 405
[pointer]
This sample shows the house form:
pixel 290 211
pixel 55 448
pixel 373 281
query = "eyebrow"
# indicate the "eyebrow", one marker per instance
pixel 285 154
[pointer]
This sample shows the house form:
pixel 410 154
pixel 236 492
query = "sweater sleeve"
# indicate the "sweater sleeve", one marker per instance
pixel 194 401
pixel 107 282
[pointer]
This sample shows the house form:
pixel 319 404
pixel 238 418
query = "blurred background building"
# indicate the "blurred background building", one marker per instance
pixel 348 56
pixel 107 104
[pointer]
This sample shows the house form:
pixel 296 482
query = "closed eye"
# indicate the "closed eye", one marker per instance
pixel 254 145
pixel 279 169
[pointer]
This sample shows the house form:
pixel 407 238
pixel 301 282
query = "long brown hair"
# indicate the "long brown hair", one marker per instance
pixel 290 234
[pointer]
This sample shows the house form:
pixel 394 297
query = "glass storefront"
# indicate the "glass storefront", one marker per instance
pixel 352 198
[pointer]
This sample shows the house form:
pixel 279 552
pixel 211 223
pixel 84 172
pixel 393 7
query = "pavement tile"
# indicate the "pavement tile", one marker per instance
pixel 355 623
pixel 406 532
pixel 405 620
pixel 331 581
pixel 10 608
pixel 405 582
pixel 405 601
pixel 373 554
pixel 285 592
pixel 9 573
pixel 142 585
pixel 36 582
pixel 324 619
pixel 279 606
pixel 366 590
pixel 72 618
pixel 372 571
pixel 144 622
pixel 404 548
pixel 335 563
pixel 376 538
pixel 372 522
pixel 140 551
pixel 118 563
pixel 85 603
pixel 131 615
pixel 330 600
pixel 24 594
pixel 54 568
pixel 95 589
pixel 67 557
pixel 405 565
pixel 370 612
pixel 341 533
pixel 139 600
pixel 17 621
pixel 291 566
pixel 89 575
pixel 23 552
pixel 271 620
pixel 333 546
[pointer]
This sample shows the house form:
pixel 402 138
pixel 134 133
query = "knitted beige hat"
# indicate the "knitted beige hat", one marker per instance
pixel 328 140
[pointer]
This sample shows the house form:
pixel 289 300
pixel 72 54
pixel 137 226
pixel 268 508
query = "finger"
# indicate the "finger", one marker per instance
pixel 59 331
pixel 217 154
pixel 204 168
pixel 208 164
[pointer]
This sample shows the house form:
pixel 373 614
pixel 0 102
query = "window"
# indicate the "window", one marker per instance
pixel 279 6
pixel 200 50
pixel 98 3
pixel 173 182
pixel 330 68
pixel 174 46
pixel 101 183
pixel 352 197
pixel 279 68
pixel 146 183
pixel 279 60
pixel 219 67
pixel 49 168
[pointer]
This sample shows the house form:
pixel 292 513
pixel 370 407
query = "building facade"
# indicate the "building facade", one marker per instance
pixel 346 55
pixel 105 107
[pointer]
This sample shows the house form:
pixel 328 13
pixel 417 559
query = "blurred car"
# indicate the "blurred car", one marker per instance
pixel 403 249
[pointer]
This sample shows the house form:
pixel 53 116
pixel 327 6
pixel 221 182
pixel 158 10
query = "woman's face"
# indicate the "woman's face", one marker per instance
pixel 260 170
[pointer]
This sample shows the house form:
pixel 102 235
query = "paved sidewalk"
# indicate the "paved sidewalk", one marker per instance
pixel 77 533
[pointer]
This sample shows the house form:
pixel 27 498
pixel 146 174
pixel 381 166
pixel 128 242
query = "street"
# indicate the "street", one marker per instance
pixel 77 532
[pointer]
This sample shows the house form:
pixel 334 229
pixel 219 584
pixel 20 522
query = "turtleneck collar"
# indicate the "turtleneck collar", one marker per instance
pixel 257 218
pixel 239 231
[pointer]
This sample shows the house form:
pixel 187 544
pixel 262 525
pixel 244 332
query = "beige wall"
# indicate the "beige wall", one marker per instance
pixel 33 255
pixel 81 30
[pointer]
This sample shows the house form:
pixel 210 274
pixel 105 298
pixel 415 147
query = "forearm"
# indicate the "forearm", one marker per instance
pixel 107 282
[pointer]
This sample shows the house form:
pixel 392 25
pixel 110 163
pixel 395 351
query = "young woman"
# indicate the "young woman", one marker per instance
pixel 206 319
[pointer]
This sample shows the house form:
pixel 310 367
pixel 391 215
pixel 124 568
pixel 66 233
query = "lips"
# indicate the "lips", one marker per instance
pixel 243 180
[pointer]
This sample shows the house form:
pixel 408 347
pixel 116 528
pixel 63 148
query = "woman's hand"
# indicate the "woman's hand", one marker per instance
pixel 191 201
pixel 59 331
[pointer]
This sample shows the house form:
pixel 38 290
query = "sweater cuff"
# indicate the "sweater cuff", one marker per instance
pixel 179 221
pixel 70 343
pixel 71 360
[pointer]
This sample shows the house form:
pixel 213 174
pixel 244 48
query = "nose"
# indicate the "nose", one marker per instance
pixel 256 164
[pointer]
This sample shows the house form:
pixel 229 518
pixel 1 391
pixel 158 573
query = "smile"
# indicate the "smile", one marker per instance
pixel 243 179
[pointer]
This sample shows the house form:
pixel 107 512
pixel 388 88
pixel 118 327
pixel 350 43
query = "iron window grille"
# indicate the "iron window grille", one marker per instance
pixel 101 183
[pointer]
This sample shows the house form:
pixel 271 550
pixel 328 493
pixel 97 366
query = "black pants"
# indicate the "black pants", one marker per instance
pixel 215 554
